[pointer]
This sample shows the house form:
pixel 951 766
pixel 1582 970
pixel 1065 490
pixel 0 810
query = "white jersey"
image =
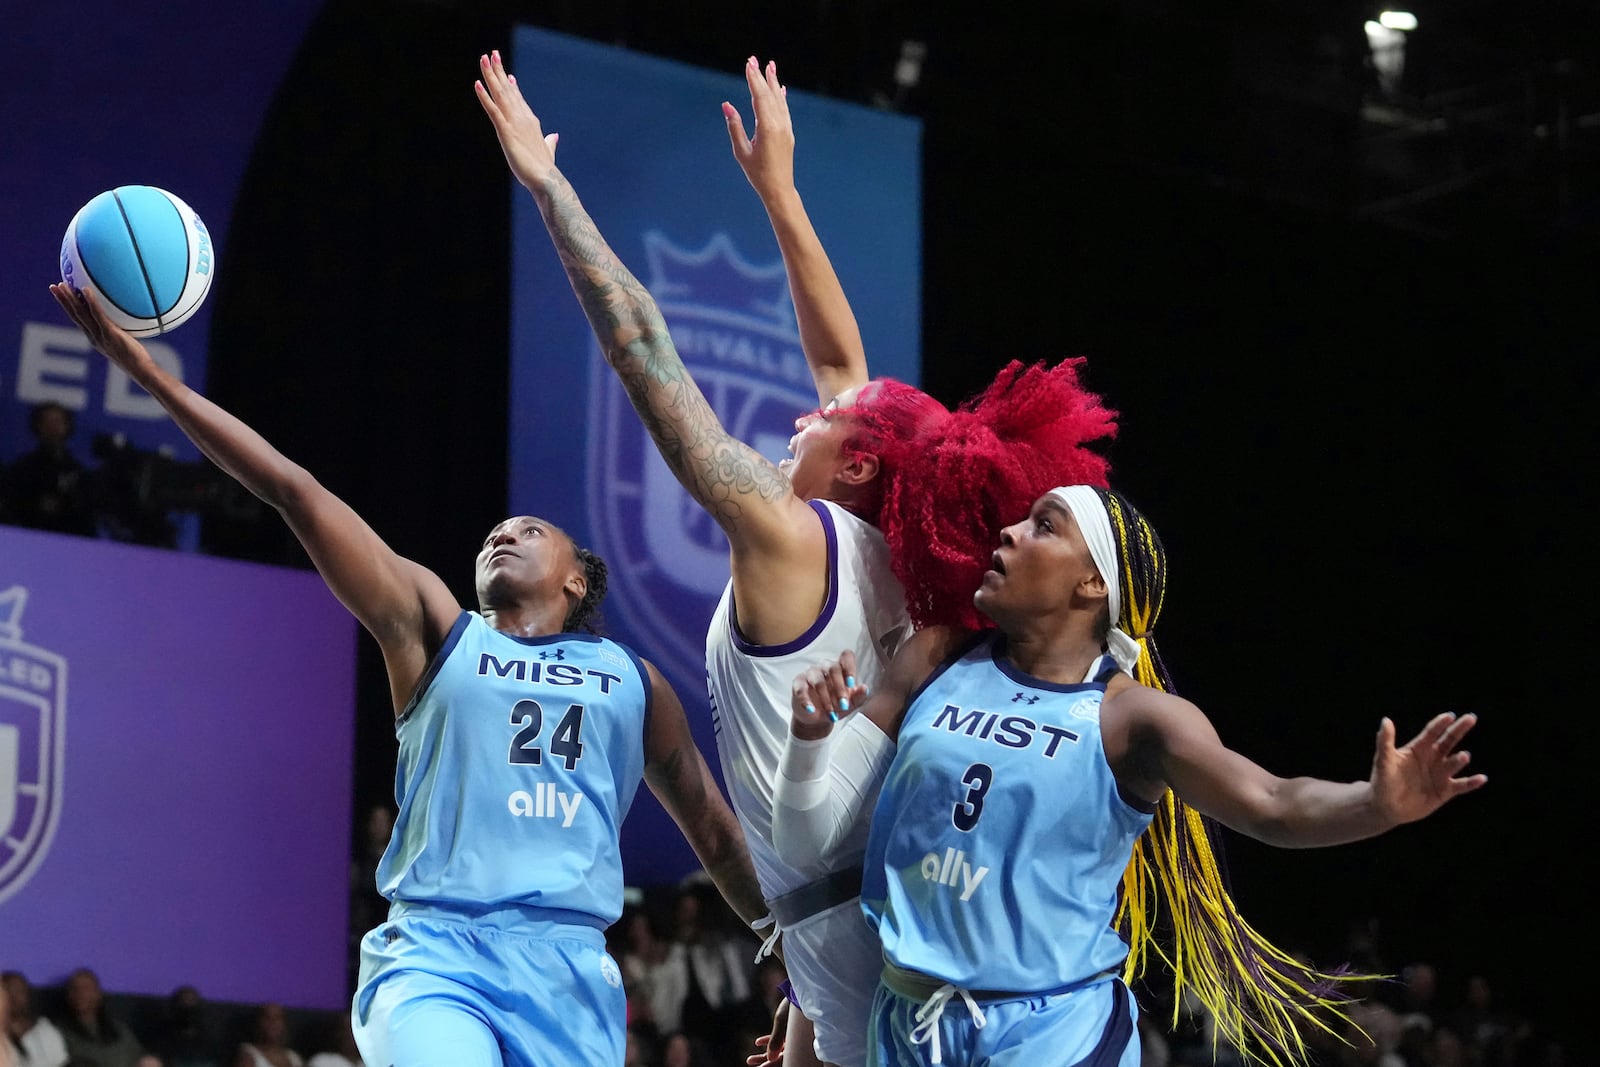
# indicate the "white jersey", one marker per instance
pixel 750 684
pixel 832 955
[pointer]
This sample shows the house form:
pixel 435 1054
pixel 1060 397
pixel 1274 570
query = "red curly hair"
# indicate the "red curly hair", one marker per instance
pixel 949 481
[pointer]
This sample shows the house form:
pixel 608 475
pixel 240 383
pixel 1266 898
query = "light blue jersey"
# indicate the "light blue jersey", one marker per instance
pixel 519 758
pixel 1000 835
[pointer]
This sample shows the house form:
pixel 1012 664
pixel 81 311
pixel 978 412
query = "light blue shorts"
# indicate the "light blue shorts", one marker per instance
pixel 1089 1027
pixel 489 991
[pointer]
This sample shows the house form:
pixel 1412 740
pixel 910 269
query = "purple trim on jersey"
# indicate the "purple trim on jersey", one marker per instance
pixel 546 639
pixel 1136 802
pixel 787 990
pixel 823 618
pixel 1114 1039
pixel 649 687
pixel 971 642
pixel 997 652
pixel 457 628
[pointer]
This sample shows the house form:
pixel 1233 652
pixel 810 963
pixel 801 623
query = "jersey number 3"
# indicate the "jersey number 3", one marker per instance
pixel 566 743
pixel 969 809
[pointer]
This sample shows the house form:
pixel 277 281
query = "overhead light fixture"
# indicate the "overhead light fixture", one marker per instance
pixel 1388 48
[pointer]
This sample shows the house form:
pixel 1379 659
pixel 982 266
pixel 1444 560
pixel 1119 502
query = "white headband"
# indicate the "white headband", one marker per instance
pixel 1089 511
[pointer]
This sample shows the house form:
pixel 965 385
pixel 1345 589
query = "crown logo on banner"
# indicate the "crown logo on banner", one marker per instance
pixel 733 323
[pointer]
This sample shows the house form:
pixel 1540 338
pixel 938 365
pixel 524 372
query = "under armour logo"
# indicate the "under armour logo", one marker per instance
pixel 559 653
pixel 1023 698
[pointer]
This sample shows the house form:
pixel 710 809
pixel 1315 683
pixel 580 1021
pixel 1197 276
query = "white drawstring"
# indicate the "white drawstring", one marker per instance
pixel 772 939
pixel 927 1028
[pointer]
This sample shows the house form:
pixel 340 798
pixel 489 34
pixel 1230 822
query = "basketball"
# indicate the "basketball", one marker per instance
pixel 144 253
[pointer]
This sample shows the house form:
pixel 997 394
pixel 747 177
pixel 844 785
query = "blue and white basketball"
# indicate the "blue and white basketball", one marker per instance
pixel 146 255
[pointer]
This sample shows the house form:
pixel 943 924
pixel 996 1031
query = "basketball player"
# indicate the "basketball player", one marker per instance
pixel 522 744
pixel 1014 774
pixel 817 542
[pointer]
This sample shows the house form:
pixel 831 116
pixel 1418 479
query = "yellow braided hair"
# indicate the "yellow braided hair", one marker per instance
pixel 1260 996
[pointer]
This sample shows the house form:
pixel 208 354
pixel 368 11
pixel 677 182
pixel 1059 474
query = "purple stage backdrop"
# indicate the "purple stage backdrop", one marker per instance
pixel 175 771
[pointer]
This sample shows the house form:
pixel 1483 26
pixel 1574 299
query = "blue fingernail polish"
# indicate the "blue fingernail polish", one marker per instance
pixel 844 705
pixel 810 710
pixel 851 681
pixel 833 716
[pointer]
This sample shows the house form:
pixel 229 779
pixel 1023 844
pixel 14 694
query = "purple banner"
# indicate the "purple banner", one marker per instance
pixel 175 771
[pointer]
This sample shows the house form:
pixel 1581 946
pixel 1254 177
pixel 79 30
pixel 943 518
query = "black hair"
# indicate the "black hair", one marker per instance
pixel 585 615
pixel 37 412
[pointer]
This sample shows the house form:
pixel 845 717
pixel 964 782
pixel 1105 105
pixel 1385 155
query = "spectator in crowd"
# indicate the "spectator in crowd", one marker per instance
pixel 268 1045
pixel 183 1038
pixel 1415 1003
pixel 8 1050
pixel 368 907
pixel 35 1040
pixel 94 1036
pixel 1375 1031
pixel 707 972
pixel 640 1047
pixel 1491 1035
pixel 1446 1049
pixel 685 1050
pixel 642 956
pixel 1417 997
pixel 49 488
pixel 338 1045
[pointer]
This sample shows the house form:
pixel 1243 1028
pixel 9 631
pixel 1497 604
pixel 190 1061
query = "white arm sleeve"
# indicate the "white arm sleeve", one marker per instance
pixel 825 787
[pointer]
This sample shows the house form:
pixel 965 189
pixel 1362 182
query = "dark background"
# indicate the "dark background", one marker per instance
pixel 1348 333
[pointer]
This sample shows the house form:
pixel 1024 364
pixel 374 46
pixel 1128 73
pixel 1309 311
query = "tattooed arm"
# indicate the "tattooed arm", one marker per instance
pixel 741 490
pixel 678 775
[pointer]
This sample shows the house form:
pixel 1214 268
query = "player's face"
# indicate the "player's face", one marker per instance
pixel 1040 562
pixel 816 450
pixel 523 555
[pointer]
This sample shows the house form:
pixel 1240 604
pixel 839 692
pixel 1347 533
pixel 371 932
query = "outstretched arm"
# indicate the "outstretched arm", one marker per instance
pixel 829 334
pixel 1174 742
pixel 741 490
pixel 678 775
pixel 406 607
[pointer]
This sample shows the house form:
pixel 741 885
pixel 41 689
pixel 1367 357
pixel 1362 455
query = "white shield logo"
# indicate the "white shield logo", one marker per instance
pixel 33 716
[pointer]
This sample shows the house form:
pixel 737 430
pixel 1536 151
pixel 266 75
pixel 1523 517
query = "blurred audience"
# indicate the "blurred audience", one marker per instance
pixel 338 1045
pixel 8 1050
pixel 94 1036
pixel 685 1050
pixel 1422 1017
pixel 268 1045
pixel 653 1004
pixel 184 1037
pixel 368 907
pixel 35 1040
pixel 49 488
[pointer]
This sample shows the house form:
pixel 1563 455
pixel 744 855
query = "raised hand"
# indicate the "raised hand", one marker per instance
pixel 1419 778
pixel 529 150
pixel 767 156
pixel 824 694
pixel 109 339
